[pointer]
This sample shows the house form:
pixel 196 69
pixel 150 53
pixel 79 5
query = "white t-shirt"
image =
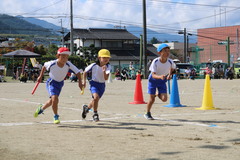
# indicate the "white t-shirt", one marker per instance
pixel 97 72
pixel 57 73
pixel 161 68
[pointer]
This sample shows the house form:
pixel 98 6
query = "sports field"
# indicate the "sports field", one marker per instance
pixel 179 133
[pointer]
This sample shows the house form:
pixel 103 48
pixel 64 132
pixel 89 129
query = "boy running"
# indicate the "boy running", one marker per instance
pixel 58 70
pixel 97 73
pixel 161 69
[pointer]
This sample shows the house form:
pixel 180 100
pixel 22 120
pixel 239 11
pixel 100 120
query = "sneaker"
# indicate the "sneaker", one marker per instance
pixel 38 111
pixel 85 111
pixel 56 119
pixel 148 116
pixel 95 117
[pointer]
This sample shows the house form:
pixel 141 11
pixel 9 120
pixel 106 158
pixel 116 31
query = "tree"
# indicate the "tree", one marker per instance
pixel 42 50
pixel 89 54
pixel 154 40
pixel 52 50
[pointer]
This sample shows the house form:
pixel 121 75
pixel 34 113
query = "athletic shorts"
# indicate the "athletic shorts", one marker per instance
pixel 156 84
pixel 54 87
pixel 96 87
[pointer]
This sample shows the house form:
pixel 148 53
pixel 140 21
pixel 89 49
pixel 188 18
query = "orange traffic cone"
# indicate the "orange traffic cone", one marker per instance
pixel 207 103
pixel 138 95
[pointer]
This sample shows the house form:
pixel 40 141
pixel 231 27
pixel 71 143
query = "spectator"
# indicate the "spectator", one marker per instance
pixel 123 75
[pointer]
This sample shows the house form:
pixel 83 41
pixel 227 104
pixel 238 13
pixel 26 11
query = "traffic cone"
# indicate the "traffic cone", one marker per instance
pixel 174 98
pixel 110 78
pixel 138 95
pixel 207 103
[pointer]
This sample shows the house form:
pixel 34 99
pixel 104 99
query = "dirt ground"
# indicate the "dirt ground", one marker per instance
pixel 179 133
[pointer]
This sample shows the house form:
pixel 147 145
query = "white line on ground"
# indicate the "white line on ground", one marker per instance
pixel 123 116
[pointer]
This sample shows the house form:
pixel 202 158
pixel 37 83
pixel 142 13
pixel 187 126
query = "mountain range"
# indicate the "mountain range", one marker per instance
pixel 23 25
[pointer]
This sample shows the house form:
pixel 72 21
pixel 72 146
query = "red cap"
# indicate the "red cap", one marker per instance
pixel 63 50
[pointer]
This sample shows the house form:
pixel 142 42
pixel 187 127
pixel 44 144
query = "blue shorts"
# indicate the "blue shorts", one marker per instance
pixel 156 84
pixel 96 87
pixel 54 87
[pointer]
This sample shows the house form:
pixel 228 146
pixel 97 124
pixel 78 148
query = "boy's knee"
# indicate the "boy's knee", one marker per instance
pixel 164 99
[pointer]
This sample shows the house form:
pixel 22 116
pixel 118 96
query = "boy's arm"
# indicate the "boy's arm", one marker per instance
pixel 80 84
pixel 155 76
pixel 106 75
pixel 84 79
pixel 39 79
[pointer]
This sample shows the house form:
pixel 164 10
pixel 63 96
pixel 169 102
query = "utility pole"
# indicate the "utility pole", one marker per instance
pixel 185 46
pixel 71 27
pixel 62 32
pixel 228 50
pixel 144 37
pixel 237 44
pixel 141 52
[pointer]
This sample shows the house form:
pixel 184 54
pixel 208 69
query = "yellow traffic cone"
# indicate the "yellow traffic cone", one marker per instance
pixel 207 103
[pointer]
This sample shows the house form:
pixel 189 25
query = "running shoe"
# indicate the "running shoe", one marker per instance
pixel 38 111
pixel 95 117
pixel 56 119
pixel 148 116
pixel 85 110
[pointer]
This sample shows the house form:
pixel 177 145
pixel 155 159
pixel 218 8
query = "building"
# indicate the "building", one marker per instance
pixel 177 51
pixel 124 46
pixel 214 43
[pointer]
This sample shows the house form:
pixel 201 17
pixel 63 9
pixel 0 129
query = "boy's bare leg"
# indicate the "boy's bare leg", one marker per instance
pixel 163 97
pixel 150 102
pixel 47 104
pixel 55 104
pixel 94 103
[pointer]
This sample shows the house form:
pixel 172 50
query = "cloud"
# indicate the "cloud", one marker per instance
pixel 161 15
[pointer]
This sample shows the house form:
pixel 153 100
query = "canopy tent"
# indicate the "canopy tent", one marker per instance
pixel 21 54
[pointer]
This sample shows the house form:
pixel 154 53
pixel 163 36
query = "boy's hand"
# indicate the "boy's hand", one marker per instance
pixel 104 68
pixel 162 77
pixel 39 79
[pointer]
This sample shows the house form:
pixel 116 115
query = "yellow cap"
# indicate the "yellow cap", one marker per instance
pixel 104 53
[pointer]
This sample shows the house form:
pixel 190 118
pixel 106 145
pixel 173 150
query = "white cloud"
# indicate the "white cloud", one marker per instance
pixel 99 13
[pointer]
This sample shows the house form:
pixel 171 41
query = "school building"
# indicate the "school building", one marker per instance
pixel 214 42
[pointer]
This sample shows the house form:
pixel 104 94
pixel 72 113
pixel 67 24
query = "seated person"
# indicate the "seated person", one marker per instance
pixel 23 77
pixel 187 73
pixel 192 74
pixel 229 73
pixel 123 75
pixel 117 74
pixel 73 77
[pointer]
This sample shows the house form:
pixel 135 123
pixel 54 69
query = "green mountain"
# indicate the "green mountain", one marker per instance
pixel 16 25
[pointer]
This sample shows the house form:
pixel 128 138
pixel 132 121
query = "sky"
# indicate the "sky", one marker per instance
pixel 163 16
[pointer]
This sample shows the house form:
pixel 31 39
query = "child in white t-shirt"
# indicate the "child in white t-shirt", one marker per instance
pixel 161 70
pixel 97 73
pixel 58 70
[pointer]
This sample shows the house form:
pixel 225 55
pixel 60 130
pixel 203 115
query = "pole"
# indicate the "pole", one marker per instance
pixel 71 27
pixel 188 53
pixel 228 50
pixel 210 52
pixel 185 46
pixel 141 52
pixel 144 37
pixel 237 44
pixel 62 32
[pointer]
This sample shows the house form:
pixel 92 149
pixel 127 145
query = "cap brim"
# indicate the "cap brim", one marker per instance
pixel 105 56
pixel 65 52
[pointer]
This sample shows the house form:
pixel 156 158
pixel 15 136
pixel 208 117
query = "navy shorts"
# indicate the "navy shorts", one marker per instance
pixel 54 87
pixel 96 87
pixel 156 84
